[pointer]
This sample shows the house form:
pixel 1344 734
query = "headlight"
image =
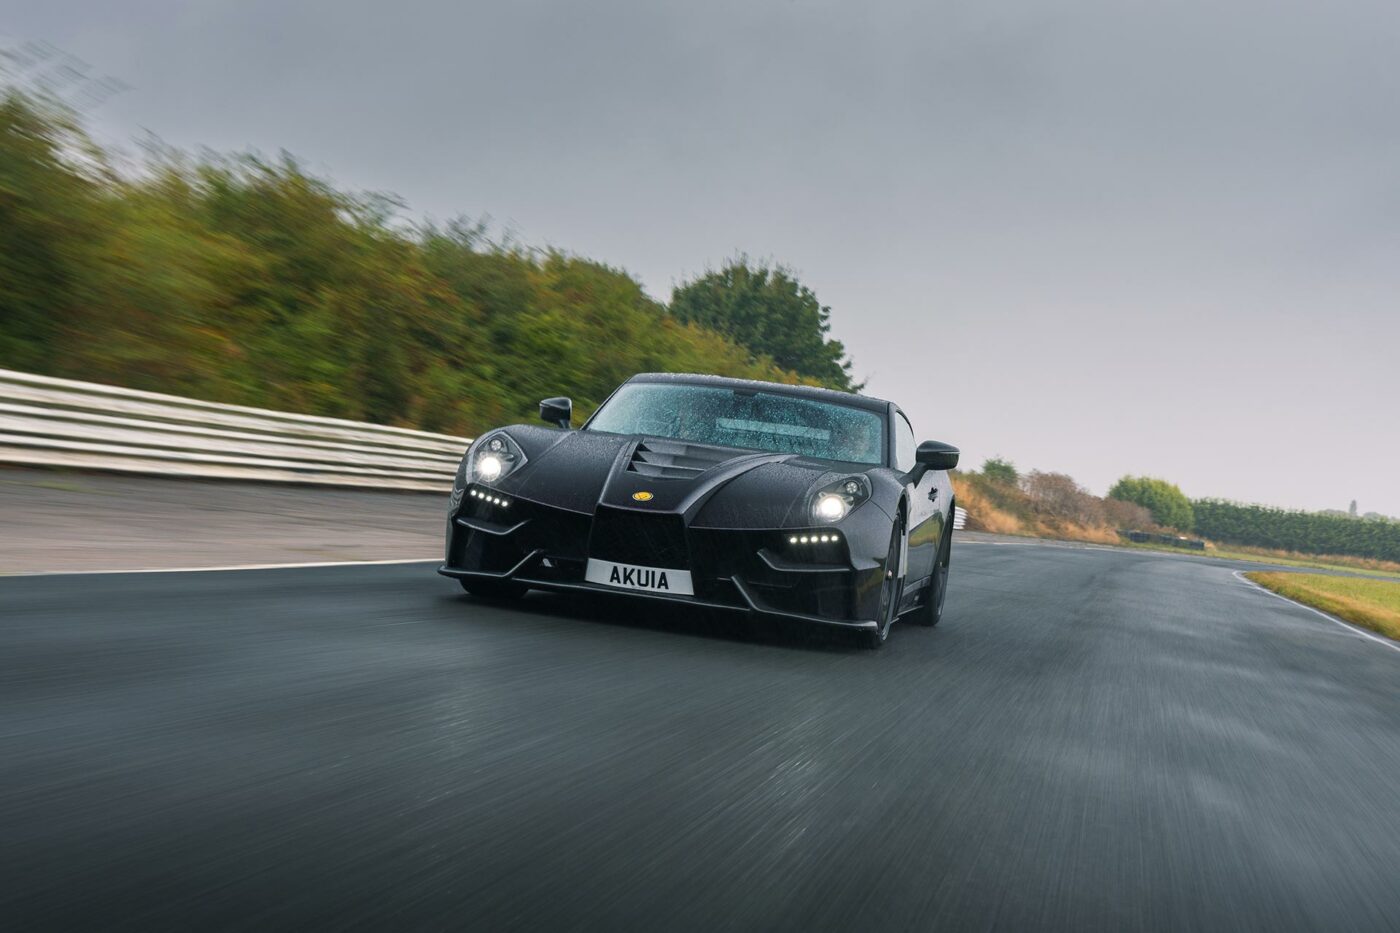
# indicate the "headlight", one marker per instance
pixel 836 501
pixel 831 508
pixel 494 457
pixel 489 467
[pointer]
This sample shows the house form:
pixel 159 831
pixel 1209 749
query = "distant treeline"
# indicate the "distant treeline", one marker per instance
pixel 1305 532
pixel 1002 499
pixel 245 280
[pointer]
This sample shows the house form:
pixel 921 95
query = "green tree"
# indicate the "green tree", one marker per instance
pixel 1000 471
pixel 248 280
pixel 773 314
pixel 50 220
pixel 1167 503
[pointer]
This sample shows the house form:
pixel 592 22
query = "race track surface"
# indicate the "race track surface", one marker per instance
pixel 61 519
pixel 1092 740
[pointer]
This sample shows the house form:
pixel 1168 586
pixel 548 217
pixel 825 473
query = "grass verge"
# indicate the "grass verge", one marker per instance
pixel 1374 604
pixel 1342 565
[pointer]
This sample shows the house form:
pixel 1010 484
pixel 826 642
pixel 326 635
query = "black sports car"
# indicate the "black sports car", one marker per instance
pixel 778 500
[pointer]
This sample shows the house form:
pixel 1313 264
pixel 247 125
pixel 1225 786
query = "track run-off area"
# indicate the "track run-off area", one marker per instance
pixel 1094 739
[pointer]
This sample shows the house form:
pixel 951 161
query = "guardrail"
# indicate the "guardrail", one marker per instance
pixel 63 422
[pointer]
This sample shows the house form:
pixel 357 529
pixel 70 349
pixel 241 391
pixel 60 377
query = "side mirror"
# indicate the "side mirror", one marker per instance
pixel 936 455
pixel 559 411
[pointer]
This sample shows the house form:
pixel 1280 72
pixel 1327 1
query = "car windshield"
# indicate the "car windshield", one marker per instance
pixel 744 418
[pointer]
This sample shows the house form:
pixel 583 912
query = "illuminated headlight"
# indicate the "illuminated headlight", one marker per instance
pixel 836 501
pixel 831 508
pixel 489 467
pixel 494 457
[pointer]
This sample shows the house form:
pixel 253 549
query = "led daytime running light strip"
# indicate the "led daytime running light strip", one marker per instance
pixel 494 500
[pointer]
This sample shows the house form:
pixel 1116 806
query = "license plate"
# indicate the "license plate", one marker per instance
pixel 630 577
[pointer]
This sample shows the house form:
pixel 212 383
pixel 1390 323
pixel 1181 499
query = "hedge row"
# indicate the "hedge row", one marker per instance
pixel 1308 532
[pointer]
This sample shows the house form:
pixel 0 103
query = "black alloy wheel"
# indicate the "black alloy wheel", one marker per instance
pixel 931 612
pixel 891 589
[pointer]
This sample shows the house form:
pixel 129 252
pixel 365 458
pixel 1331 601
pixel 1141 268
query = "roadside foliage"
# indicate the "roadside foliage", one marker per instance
pixel 247 280
pixel 999 470
pixel 1168 504
pixel 1050 505
pixel 768 310
pixel 1304 532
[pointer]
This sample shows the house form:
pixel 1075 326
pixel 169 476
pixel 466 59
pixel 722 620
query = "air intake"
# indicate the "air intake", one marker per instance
pixel 675 459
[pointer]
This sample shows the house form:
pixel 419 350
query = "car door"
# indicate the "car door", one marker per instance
pixel 925 508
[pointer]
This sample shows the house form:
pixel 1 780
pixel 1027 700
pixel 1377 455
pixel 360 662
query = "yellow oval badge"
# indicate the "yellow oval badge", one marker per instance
pixel 642 496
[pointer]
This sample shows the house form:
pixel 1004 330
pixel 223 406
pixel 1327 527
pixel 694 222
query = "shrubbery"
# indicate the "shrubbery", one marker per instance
pixel 1168 504
pixel 1059 496
pixel 1046 504
pixel 239 279
pixel 1305 532
pixel 1000 471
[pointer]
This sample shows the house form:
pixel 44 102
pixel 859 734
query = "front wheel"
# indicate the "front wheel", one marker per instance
pixel 931 612
pixel 493 589
pixel 890 590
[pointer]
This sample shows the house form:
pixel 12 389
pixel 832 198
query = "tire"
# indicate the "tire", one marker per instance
pixel 890 591
pixel 493 589
pixel 931 612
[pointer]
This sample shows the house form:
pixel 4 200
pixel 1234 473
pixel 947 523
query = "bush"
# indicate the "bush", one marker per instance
pixel 1167 503
pixel 1306 532
pixel 1127 516
pixel 1000 471
pixel 1049 505
pixel 244 280
pixel 1059 496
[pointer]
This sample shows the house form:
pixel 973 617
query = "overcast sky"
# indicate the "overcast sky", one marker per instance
pixel 1094 237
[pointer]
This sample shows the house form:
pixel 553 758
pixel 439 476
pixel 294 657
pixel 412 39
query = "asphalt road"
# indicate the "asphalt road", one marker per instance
pixel 1092 740
pixel 56 519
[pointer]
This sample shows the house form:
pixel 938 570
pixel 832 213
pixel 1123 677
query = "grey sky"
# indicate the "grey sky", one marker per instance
pixel 1096 237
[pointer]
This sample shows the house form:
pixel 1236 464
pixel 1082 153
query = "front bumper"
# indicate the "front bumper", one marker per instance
pixel 748 571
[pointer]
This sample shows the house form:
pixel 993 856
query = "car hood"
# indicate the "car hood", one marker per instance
pixel 713 487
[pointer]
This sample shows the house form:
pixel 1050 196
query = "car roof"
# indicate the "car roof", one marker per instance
pixel 775 388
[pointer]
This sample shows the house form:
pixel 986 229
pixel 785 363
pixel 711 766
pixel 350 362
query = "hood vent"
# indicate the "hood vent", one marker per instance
pixel 675 459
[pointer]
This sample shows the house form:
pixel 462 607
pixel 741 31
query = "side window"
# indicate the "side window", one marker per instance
pixel 904 445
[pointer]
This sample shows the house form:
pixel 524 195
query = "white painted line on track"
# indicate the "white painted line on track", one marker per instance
pixel 1240 575
pixel 324 563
